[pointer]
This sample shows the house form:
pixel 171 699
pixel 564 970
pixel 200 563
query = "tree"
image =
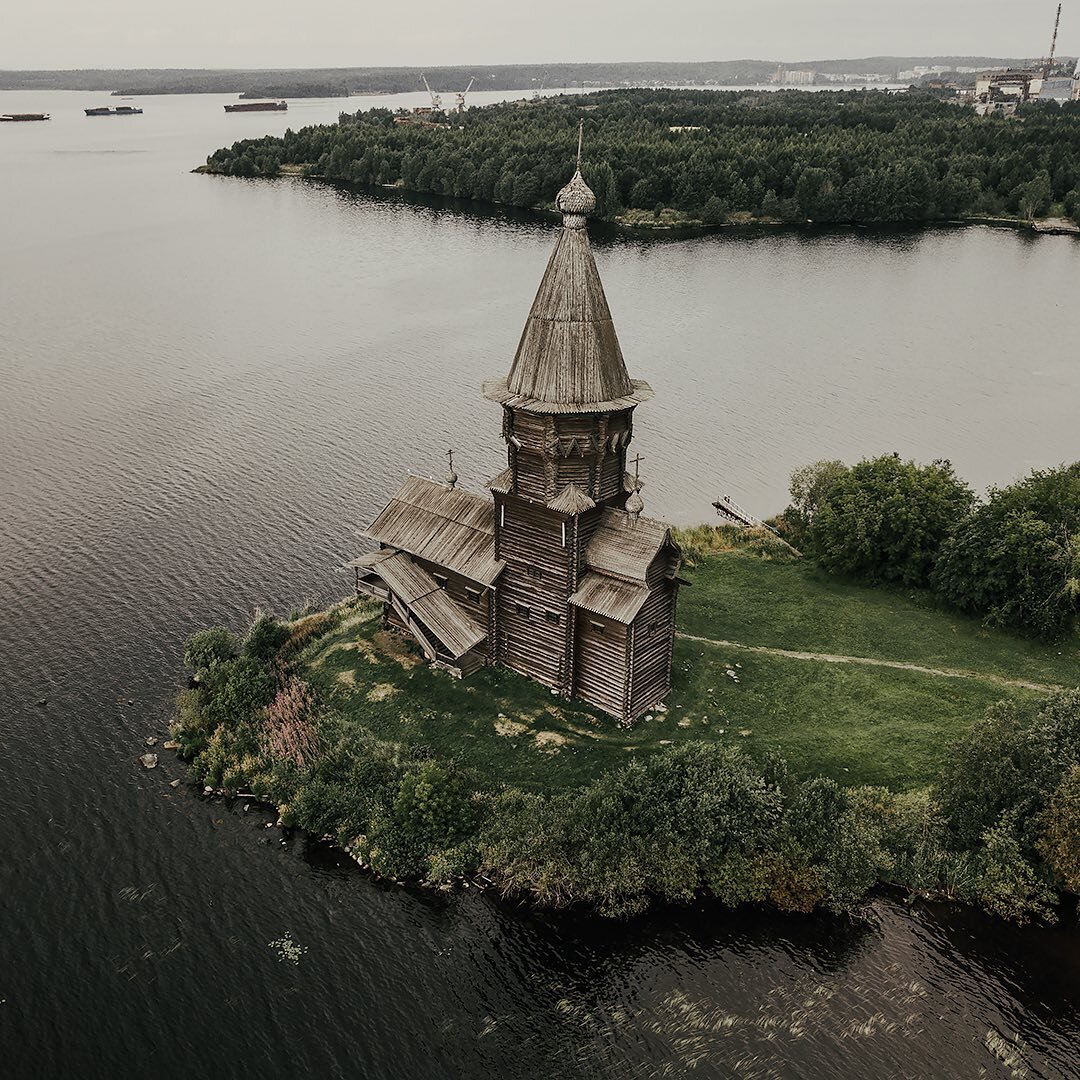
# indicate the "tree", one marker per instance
pixel 885 519
pixel 1059 843
pixel 1017 558
pixel 1011 763
pixel 808 488
pixel 208 648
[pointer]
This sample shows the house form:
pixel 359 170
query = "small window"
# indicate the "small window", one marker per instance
pixel 654 626
pixel 599 627
pixel 440 580
pixel 535 572
pixel 523 611
pixel 564 534
pixel 553 617
pixel 475 595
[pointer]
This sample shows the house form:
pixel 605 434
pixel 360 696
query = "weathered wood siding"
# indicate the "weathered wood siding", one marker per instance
pixel 547 452
pixel 652 634
pixel 535 583
pixel 601 663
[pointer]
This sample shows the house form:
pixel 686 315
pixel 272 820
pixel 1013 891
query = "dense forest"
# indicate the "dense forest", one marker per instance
pixel 664 157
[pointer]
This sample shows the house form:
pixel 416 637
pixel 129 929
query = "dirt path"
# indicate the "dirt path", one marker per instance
pixel 900 665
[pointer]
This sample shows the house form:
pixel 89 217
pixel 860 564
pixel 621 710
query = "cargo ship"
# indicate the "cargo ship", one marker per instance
pixel 120 110
pixel 19 116
pixel 257 106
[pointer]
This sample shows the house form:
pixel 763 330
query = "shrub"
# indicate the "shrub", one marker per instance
pixel 809 486
pixel 208 648
pixel 1010 763
pixel 1008 884
pixel 1059 843
pixel 235 691
pixel 884 520
pixel 1017 558
pixel 265 638
pixel 288 729
pixel 433 810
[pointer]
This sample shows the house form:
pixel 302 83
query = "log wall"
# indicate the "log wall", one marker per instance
pixel 532 631
pixel 652 637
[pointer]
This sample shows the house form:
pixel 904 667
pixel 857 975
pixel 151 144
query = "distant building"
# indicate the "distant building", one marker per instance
pixel 556 574
pixel 1001 93
pixel 800 78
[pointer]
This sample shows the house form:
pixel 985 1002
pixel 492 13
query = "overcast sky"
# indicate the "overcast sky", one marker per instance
pixel 342 33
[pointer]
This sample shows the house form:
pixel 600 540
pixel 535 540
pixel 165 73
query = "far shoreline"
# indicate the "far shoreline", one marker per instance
pixel 641 227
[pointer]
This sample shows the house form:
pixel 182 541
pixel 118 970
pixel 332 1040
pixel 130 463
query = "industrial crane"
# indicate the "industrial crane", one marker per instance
pixel 1048 66
pixel 536 92
pixel 461 96
pixel 436 99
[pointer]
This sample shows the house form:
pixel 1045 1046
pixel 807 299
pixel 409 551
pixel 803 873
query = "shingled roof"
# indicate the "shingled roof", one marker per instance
pixel 569 358
pixel 624 548
pixel 445 526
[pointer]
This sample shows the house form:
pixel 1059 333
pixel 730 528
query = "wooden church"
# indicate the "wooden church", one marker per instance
pixel 556 574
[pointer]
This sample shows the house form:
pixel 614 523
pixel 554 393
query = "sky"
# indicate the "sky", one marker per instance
pixel 347 33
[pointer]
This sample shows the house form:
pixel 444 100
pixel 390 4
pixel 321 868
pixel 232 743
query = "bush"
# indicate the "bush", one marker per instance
pixel 1059 843
pixel 1017 558
pixel 208 648
pixel 235 691
pixel 884 520
pixel 1008 885
pixel 265 638
pixel 809 487
pixel 1010 763
pixel 433 810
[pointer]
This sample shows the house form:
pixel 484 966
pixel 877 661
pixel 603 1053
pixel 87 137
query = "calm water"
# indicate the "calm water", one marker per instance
pixel 207 386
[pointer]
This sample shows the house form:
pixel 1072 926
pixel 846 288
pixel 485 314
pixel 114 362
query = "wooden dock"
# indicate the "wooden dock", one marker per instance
pixel 1058 225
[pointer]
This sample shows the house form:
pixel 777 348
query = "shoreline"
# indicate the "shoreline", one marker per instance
pixel 674 230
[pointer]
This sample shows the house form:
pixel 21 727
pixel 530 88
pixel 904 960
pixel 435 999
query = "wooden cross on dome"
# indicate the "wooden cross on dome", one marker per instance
pixel 580 136
pixel 637 464
pixel 451 476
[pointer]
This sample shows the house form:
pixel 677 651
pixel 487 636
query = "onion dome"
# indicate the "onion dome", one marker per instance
pixel 634 503
pixel 576 200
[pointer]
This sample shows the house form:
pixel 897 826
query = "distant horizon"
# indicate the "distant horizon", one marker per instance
pixel 803 63
pixel 53 35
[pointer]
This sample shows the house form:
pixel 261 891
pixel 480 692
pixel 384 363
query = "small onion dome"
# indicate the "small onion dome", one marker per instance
pixel 451 478
pixel 576 198
pixel 635 504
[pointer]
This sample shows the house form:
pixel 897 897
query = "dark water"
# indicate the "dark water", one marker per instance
pixel 206 386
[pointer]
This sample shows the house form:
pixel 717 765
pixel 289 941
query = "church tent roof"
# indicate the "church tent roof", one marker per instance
pixel 569 358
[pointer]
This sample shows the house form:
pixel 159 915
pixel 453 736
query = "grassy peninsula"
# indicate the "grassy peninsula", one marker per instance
pixel 794 779
pixel 669 158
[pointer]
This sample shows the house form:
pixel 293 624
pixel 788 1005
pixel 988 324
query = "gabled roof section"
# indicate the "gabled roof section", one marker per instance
pixel 571 500
pixel 502 483
pixel 446 526
pixel 418 591
pixel 624 548
pixel 611 597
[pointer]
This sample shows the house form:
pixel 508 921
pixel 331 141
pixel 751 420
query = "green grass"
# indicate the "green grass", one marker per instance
pixel 854 723
pixel 794 605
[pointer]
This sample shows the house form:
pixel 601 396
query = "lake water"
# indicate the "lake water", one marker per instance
pixel 208 385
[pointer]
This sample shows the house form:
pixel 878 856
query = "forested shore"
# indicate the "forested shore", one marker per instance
pixel 661 158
